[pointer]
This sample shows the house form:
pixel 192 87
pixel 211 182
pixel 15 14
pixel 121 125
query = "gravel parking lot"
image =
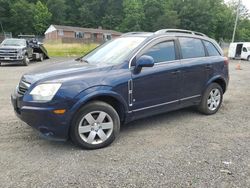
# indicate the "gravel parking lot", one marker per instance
pixel 177 149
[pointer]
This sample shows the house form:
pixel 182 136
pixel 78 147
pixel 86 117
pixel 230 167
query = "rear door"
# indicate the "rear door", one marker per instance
pixel 194 67
pixel 214 58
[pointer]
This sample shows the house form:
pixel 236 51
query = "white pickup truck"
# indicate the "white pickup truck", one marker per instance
pixel 239 50
pixel 21 51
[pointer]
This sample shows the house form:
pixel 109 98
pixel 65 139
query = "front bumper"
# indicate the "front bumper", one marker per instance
pixel 10 61
pixel 50 125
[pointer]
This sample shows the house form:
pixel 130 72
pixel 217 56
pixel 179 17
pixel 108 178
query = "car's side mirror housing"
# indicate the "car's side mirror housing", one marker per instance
pixel 144 61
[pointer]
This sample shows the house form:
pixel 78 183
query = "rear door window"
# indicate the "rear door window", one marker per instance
pixel 162 52
pixel 212 51
pixel 191 48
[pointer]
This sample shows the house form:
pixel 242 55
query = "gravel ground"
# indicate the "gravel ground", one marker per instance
pixel 177 149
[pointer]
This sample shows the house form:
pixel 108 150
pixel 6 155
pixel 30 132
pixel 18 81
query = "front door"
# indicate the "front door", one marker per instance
pixel 29 49
pixel 157 86
pixel 245 53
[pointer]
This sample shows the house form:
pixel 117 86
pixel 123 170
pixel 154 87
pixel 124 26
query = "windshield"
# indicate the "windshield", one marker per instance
pixel 248 48
pixel 14 42
pixel 113 52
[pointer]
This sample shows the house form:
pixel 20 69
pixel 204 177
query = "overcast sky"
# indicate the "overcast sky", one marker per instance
pixel 244 2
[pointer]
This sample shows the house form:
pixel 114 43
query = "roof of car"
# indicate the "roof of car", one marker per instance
pixel 172 33
pixel 167 32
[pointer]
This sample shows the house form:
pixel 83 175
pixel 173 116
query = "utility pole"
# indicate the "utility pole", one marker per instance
pixel 236 20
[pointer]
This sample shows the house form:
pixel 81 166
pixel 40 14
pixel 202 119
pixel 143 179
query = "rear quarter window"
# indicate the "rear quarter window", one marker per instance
pixel 212 51
pixel 191 47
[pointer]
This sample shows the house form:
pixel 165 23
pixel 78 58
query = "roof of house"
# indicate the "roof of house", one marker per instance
pixel 80 29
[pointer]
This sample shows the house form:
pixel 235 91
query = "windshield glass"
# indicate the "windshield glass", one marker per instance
pixel 248 48
pixel 113 52
pixel 14 42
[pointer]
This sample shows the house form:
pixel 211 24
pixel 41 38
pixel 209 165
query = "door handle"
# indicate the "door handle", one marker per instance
pixel 176 72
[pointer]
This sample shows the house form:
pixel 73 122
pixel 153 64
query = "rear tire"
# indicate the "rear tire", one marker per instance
pixel 26 60
pixel 41 57
pixel 248 58
pixel 95 125
pixel 211 99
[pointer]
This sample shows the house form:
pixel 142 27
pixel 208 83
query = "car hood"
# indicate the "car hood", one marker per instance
pixel 11 47
pixel 62 71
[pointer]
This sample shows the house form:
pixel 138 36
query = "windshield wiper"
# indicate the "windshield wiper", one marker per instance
pixel 82 60
pixel 85 60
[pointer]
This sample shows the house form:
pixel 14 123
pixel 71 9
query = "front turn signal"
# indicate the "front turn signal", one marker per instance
pixel 60 111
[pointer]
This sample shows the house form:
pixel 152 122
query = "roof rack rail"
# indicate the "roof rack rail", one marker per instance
pixel 134 33
pixel 162 31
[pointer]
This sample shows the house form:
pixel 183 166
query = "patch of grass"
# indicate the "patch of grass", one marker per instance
pixel 68 50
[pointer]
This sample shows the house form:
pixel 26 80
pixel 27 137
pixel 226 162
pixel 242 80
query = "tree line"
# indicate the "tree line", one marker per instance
pixel 212 17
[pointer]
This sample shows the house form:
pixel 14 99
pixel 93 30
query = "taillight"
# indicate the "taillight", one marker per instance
pixel 226 61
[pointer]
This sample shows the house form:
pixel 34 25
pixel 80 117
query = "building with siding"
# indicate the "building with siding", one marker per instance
pixel 69 34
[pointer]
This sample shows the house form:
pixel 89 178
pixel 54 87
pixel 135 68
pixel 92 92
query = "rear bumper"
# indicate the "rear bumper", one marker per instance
pixel 50 125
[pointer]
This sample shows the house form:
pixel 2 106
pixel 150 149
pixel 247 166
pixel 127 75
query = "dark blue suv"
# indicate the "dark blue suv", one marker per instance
pixel 134 76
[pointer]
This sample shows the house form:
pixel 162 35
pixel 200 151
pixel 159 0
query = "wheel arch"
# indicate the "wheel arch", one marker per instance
pixel 110 97
pixel 219 80
pixel 112 101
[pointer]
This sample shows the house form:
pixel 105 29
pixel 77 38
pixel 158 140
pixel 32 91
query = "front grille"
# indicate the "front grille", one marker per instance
pixel 8 53
pixel 23 87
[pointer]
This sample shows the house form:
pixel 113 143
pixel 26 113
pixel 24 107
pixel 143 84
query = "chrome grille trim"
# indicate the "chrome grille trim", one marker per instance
pixel 8 52
pixel 23 87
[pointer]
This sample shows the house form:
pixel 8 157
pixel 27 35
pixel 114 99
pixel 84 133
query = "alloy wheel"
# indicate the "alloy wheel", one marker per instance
pixel 214 99
pixel 95 127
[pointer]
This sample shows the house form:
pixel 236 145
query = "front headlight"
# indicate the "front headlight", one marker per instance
pixel 20 52
pixel 45 92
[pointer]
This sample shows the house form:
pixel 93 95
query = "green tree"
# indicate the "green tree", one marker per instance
pixel 153 9
pixel 212 17
pixel 159 15
pixel 4 14
pixel 42 18
pixel 21 18
pixel 197 15
pixel 224 23
pixel 113 14
pixel 168 20
pixel 58 10
pixel 243 32
pixel 86 17
pixel 133 16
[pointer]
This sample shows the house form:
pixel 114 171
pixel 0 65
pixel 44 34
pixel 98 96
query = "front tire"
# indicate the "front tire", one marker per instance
pixel 26 60
pixel 211 99
pixel 96 125
pixel 248 58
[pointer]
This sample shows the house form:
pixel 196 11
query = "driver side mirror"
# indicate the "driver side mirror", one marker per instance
pixel 144 61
